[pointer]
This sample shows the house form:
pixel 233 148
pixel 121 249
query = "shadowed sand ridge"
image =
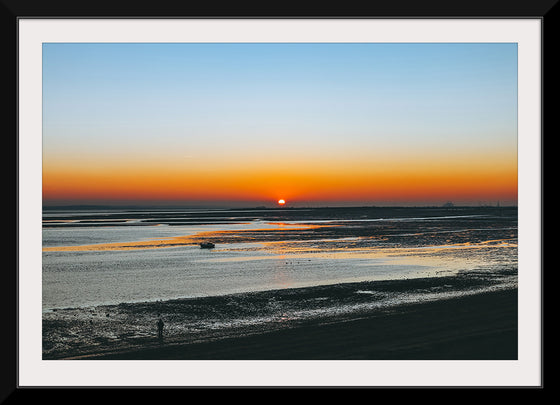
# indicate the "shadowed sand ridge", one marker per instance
pixel 455 317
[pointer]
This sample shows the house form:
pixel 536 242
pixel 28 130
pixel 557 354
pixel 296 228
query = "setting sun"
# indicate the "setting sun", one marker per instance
pixel 281 202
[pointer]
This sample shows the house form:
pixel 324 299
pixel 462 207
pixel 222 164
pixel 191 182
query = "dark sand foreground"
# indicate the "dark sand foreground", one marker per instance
pixel 476 327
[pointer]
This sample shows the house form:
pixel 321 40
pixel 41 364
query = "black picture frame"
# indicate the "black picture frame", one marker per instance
pixel 12 10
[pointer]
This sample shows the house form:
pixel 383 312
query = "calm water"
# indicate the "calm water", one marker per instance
pixel 258 250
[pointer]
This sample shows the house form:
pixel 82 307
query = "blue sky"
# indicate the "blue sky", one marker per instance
pixel 201 99
pixel 409 89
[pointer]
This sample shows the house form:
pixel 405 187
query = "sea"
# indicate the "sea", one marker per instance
pixel 107 256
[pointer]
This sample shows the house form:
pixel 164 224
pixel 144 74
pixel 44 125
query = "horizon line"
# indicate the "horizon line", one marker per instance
pixel 264 207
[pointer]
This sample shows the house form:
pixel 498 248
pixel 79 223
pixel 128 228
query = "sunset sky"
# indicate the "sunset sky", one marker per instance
pixel 249 124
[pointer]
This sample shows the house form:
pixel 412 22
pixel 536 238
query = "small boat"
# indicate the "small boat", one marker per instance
pixel 207 245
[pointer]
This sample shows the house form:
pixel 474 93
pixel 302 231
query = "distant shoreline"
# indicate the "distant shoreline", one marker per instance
pixel 261 207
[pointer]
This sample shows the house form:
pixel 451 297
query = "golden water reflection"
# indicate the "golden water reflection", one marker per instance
pixel 221 236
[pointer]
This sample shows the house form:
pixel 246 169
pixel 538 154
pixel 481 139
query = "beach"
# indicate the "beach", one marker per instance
pixel 480 325
pixel 477 327
pixel 368 283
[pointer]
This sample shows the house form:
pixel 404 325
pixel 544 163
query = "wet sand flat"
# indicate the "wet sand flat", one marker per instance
pixel 334 316
pixel 476 327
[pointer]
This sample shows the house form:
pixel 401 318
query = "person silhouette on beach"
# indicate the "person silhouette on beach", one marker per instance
pixel 160 329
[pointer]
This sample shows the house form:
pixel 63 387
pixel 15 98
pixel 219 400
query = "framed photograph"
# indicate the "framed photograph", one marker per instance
pixel 279 202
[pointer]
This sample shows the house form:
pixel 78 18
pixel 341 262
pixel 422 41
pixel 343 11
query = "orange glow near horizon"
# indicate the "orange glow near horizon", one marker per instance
pixel 378 179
